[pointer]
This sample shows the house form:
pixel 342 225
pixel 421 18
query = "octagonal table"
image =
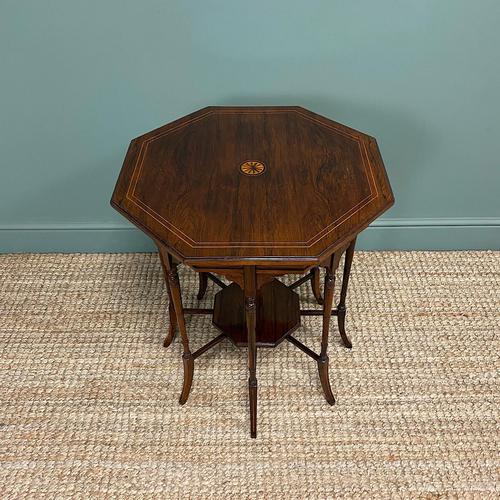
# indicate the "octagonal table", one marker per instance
pixel 252 193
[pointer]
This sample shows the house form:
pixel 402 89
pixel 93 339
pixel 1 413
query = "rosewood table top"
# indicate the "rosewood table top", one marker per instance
pixel 253 184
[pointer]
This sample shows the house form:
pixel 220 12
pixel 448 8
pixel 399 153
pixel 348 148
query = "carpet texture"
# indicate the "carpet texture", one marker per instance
pixel 88 402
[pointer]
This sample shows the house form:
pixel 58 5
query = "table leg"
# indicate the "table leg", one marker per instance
pixel 341 308
pixel 315 285
pixel 173 318
pixel 172 328
pixel 250 290
pixel 170 268
pixel 327 312
pixel 203 282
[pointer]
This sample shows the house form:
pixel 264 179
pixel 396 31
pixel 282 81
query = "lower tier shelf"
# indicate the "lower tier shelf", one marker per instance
pixel 278 313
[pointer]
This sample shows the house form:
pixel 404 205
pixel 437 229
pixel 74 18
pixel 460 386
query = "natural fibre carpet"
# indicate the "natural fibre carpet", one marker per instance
pixel 88 400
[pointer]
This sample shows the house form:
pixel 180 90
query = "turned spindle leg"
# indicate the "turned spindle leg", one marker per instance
pixel 316 286
pixel 170 269
pixel 341 308
pixel 323 357
pixel 172 327
pixel 251 315
pixel 203 282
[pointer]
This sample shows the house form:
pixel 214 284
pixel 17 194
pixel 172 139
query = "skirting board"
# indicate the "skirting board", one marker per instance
pixel 383 234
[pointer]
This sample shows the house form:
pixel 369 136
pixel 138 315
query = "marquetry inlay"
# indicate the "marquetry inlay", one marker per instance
pixel 252 168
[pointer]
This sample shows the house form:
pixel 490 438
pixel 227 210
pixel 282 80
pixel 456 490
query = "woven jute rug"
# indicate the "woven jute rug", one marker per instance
pixel 89 396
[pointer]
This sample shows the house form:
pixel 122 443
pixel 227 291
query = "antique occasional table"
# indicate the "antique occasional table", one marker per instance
pixel 252 193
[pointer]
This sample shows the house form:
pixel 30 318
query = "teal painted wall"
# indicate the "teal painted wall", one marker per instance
pixel 78 80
